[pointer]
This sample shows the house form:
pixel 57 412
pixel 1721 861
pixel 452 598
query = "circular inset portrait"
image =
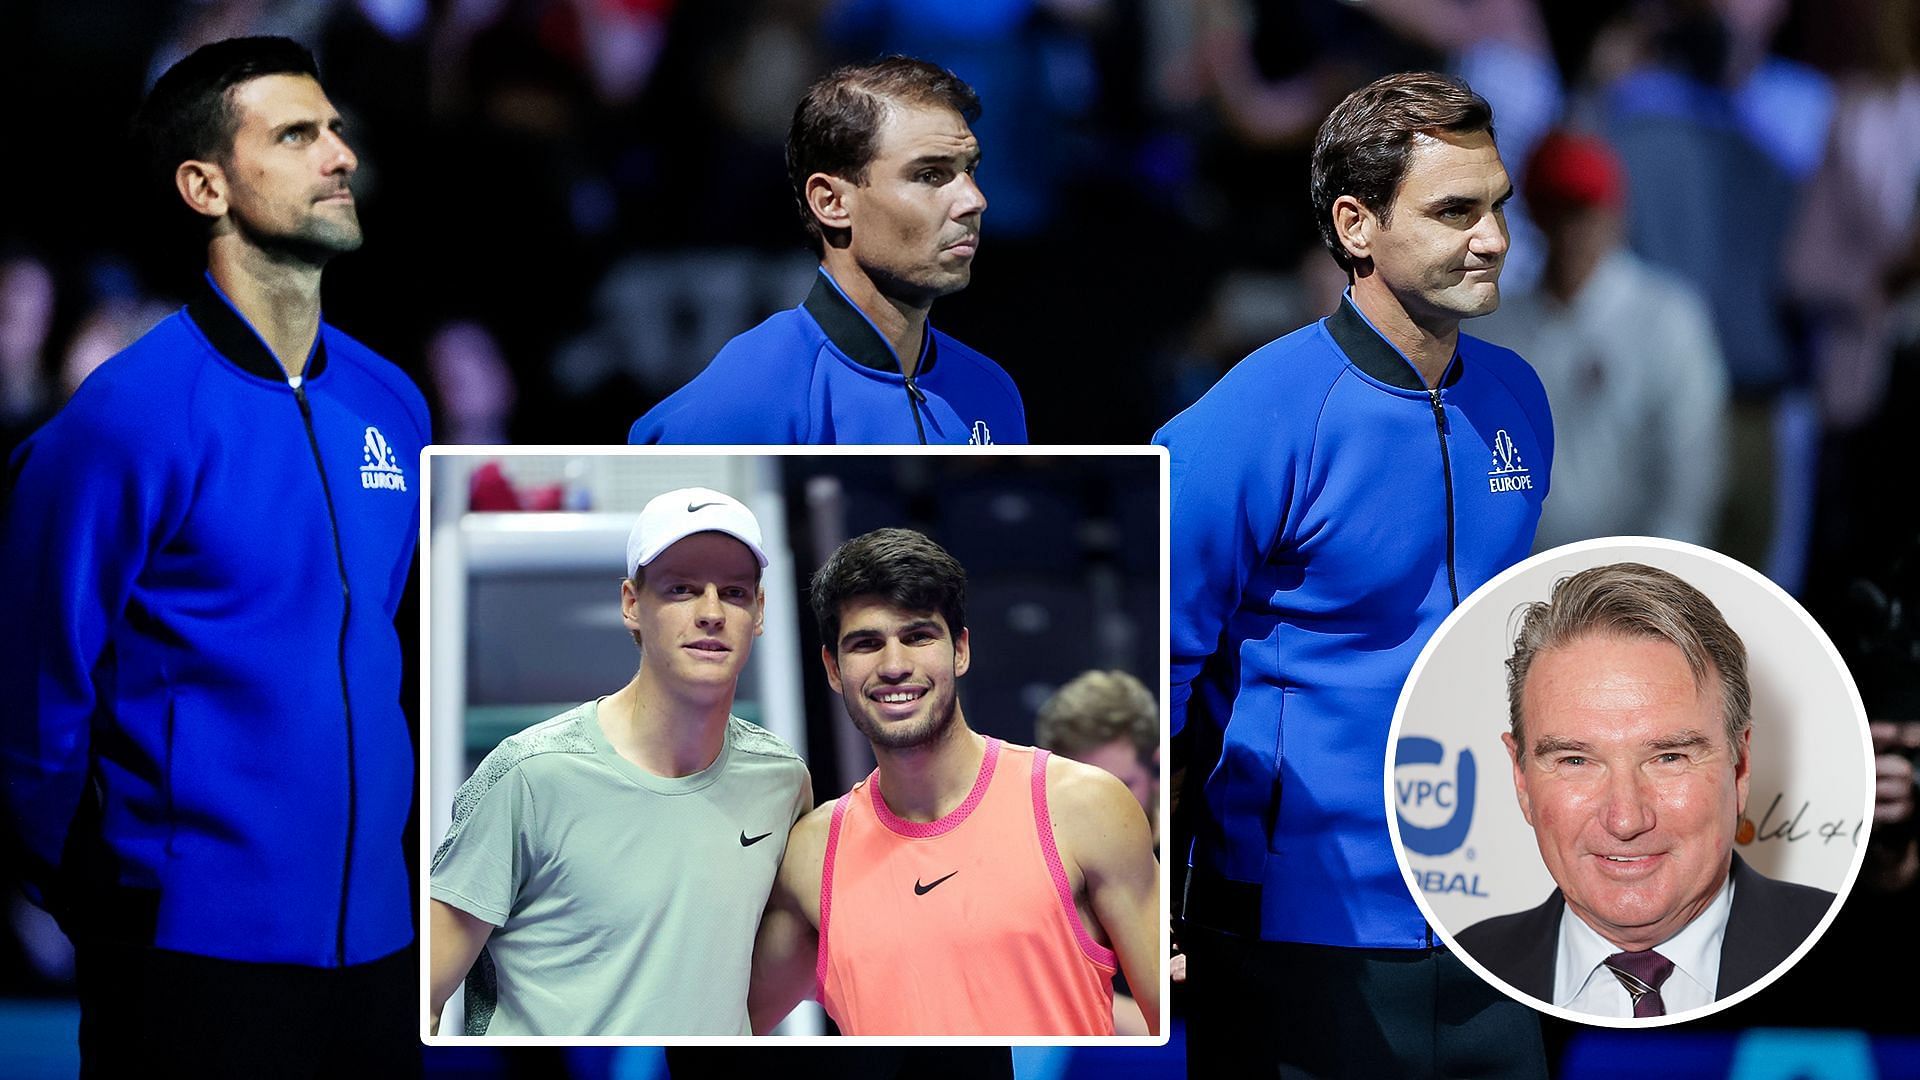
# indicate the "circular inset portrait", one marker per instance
pixel 1629 782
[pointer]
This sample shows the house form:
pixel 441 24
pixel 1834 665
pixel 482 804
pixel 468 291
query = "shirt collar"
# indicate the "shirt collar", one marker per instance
pixel 855 335
pixel 1373 354
pixel 234 338
pixel 1695 952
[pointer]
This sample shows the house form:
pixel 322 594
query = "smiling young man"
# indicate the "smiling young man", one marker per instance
pixel 606 869
pixel 1631 744
pixel 203 753
pixel 882 166
pixel 966 886
pixel 1334 496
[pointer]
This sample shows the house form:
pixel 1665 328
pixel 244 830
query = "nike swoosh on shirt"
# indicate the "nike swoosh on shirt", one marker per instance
pixel 747 841
pixel 922 890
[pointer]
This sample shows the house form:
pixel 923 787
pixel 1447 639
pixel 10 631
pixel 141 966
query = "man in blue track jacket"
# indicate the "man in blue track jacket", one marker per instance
pixel 206 766
pixel 881 160
pixel 1334 497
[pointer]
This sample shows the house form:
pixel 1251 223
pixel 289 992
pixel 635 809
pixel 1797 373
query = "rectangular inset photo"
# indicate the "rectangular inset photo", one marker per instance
pixel 836 745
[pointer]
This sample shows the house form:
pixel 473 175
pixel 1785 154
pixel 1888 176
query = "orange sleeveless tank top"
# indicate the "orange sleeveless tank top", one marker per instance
pixel 961 926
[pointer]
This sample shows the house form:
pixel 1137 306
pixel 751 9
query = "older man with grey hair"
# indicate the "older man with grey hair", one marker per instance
pixel 1631 738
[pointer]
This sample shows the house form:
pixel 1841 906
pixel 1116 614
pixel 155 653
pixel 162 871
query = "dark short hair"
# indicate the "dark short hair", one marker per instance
pixel 898 566
pixel 836 127
pixel 1364 144
pixel 189 113
pixel 1096 708
pixel 1632 600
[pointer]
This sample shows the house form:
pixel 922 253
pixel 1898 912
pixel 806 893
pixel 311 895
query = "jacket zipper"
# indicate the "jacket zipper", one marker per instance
pixel 346 614
pixel 916 398
pixel 1446 471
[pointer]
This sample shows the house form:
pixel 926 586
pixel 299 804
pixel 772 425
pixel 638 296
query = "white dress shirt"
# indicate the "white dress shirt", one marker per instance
pixel 1583 983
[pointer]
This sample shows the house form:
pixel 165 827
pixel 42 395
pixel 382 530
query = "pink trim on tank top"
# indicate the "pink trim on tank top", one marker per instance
pixel 921 830
pixel 826 896
pixel 1094 951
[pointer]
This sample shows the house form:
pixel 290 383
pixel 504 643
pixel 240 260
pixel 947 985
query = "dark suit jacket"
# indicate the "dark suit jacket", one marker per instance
pixel 1768 921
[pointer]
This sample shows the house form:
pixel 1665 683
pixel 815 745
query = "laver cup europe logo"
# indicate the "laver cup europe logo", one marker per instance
pixel 379 468
pixel 1509 473
pixel 1435 807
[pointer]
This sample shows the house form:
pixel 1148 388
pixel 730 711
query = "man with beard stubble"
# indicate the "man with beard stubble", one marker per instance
pixel 205 762
pixel 1018 882
pixel 881 162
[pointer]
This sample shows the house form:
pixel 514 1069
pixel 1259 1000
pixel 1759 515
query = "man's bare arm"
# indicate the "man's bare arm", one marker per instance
pixel 1101 827
pixel 788 944
pixel 456 941
pixel 1127 1017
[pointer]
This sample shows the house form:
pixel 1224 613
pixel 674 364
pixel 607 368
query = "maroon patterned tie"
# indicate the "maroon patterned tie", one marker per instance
pixel 1642 973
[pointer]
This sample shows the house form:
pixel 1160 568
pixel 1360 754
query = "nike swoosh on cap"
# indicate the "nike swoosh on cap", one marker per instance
pixel 691 507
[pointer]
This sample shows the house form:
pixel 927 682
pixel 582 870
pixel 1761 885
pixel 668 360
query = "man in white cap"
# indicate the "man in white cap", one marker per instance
pixel 606 869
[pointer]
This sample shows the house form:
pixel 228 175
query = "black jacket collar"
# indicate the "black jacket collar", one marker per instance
pixel 234 338
pixel 1377 357
pixel 847 327
pixel 1523 949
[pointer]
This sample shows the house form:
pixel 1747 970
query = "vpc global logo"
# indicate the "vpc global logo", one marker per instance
pixel 1435 806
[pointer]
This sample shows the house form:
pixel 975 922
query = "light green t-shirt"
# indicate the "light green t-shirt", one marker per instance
pixel 626 903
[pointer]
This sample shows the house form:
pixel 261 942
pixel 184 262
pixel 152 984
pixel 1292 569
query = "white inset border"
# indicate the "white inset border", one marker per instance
pixel 438 780
pixel 1810 797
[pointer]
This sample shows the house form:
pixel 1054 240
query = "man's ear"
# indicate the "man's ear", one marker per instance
pixel 1743 769
pixel 759 611
pixel 827 201
pixel 962 654
pixel 833 668
pixel 1354 225
pixel 629 608
pixel 203 186
pixel 1519 776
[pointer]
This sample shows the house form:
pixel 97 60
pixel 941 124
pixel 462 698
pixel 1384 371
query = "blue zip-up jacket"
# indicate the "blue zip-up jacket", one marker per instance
pixel 1328 511
pixel 821 373
pixel 202 746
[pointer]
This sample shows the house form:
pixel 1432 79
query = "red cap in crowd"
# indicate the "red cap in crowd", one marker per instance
pixel 1569 169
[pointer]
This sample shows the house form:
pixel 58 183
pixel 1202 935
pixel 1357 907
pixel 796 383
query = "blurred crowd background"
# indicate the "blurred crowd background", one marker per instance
pixel 571 204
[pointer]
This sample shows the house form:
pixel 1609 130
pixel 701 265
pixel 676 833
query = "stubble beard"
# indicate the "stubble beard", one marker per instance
pixel 315 241
pixel 320 239
pixel 921 286
pixel 929 730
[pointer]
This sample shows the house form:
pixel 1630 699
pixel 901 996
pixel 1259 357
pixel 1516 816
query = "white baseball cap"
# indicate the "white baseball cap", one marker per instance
pixel 668 519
